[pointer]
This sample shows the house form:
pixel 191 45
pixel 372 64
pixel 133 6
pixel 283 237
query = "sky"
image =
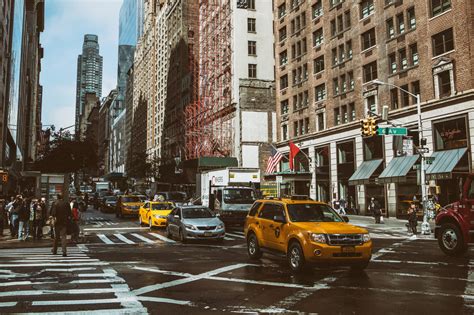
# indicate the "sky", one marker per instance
pixel 66 23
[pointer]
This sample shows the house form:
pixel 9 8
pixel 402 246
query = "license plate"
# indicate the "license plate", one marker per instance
pixel 348 249
pixel 207 234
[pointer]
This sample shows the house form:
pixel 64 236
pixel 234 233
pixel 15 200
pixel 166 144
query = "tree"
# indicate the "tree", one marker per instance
pixel 64 154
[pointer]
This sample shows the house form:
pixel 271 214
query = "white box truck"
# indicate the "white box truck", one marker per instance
pixel 230 192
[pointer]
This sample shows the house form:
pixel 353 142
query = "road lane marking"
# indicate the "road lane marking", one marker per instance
pixel 49 292
pixel 54 264
pixel 68 269
pixel 161 237
pixel 8 304
pixel 46 260
pixel 469 289
pixel 124 239
pixel 79 302
pixel 116 228
pixel 120 311
pixel 163 300
pixel 235 235
pixel 159 286
pixel 147 240
pixel 96 281
pixel 426 263
pixel 105 239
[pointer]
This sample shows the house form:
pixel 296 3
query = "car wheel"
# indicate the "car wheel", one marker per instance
pixel 450 240
pixel 182 238
pixel 168 232
pixel 360 266
pixel 296 258
pixel 140 220
pixel 150 224
pixel 253 249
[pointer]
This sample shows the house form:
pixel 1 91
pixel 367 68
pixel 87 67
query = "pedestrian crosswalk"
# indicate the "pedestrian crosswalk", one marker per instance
pixel 34 280
pixel 100 221
pixel 134 238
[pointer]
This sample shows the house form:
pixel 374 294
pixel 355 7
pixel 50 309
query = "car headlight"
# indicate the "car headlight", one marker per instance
pixel 220 226
pixel 190 227
pixel 318 238
pixel 366 237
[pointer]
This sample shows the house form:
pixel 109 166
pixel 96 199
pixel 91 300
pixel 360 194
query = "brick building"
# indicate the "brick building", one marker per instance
pixel 327 55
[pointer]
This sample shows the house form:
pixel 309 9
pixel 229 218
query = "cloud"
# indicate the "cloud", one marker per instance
pixel 67 21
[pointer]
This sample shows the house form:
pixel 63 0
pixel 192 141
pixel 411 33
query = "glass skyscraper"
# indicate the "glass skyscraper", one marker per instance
pixel 89 73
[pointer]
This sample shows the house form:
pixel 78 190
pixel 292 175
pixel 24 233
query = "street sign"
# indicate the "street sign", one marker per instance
pixel 423 150
pixel 429 160
pixel 389 131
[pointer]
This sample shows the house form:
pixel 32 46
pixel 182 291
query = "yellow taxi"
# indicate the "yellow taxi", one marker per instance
pixel 127 205
pixel 154 213
pixel 306 232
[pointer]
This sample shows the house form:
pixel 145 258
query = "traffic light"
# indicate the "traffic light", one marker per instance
pixel 365 127
pixel 372 126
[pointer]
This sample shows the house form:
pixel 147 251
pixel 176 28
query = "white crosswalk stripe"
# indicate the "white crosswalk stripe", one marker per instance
pixel 143 238
pixel 124 239
pixel 36 277
pixel 105 239
pixel 161 237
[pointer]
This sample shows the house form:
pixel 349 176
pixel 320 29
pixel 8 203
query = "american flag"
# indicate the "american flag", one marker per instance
pixel 273 161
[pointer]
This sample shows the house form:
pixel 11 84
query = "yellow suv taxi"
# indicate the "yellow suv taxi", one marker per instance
pixel 127 205
pixel 305 231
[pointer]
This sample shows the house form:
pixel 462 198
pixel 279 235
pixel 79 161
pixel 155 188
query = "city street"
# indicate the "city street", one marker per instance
pixel 126 269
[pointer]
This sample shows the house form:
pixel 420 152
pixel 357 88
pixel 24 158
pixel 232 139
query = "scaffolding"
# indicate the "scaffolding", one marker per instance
pixel 208 120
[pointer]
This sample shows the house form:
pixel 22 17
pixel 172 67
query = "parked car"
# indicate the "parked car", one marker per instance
pixel 108 203
pixel 155 213
pixel 127 205
pixel 194 222
pixel 306 232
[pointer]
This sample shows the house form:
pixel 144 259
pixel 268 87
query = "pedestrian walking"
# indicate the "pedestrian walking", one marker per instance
pixel 3 215
pixel 374 208
pixel 342 206
pixel 31 204
pixel 61 213
pixel 23 219
pixel 412 219
pixel 76 216
pixel 12 218
pixel 39 220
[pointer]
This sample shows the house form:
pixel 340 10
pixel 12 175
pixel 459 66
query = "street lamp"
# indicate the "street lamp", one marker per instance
pixel 425 226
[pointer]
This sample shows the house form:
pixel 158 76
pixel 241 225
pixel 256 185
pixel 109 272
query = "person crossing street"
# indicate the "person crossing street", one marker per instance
pixel 61 213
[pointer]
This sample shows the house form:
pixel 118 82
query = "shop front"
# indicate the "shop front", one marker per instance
pixel 323 174
pixel 345 169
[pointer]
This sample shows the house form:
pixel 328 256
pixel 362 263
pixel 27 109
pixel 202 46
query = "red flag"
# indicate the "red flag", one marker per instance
pixel 294 150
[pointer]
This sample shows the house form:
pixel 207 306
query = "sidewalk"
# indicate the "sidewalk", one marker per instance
pixel 389 225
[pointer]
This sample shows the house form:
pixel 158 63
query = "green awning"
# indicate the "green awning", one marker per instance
pixel 397 170
pixel 364 172
pixel 444 163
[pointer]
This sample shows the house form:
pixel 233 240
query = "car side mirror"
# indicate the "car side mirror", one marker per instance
pixel 176 216
pixel 279 219
pixel 345 218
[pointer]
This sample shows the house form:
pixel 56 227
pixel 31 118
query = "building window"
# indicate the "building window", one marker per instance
pixel 251 4
pixel 283 58
pixel 306 125
pixel 370 72
pixel 415 88
pixel 444 82
pixel 320 121
pixel 392 63
pixel 342 54
pixel 317 9
pixel 295 129
pixel 414 54
pixel 335 84
pixel 451 134
pixel 340 23
pixel 337 117
pixel 251 25
pixel 318 37
pixel 411 19
pixel 284 132
pixel 333 28
pixel 394 98
pixel 320 92
pixel 368 39
pixel 343 83
pixel 252 48
pixel 318 64
pixel 351 80
pixel 372 103
pixel 402 56
pixel 284 107
pixel 282 33
pixel 443 42
pixel 439 6
pixel 334 56
pixel 344 116
pixel 335 2
pixel 349 49
pixel 405 97
pixel 400 24
pixel 352 112
pixel 284 82
pixel 390 29
pixel 282 10
pixel 366 8
pixel 347 19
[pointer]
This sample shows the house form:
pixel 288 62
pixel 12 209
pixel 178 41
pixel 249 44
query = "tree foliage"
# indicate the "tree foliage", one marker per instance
pixel 64 154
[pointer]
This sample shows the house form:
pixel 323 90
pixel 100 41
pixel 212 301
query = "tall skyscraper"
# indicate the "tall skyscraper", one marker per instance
pixel 89 74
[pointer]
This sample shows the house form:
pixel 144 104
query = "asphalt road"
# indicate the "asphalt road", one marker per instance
pixel 121 268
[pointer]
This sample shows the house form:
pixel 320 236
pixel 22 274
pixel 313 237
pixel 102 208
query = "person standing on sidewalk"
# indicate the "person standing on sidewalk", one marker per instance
pixel 374 207
pixel 342 206
pixel 3 215
pixel 24 219
pixel 12 218
pixel 61 212
pixel 412 218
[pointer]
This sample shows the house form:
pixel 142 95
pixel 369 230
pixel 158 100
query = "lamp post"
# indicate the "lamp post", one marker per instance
pixel 425 226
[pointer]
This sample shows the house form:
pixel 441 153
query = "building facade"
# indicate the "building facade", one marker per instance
pixel 328 54
pixel 89 74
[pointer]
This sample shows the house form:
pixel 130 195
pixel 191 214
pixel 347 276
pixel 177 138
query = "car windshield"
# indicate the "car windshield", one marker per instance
pixel 242 196
pixel 177 196
pixel 111 198
pixel 197 213
pixel 131 199
pixel 161 206
pixel 311 212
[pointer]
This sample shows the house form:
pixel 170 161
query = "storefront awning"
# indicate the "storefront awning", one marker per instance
pixel 364 172
pixel 397 170
pixel 444 163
